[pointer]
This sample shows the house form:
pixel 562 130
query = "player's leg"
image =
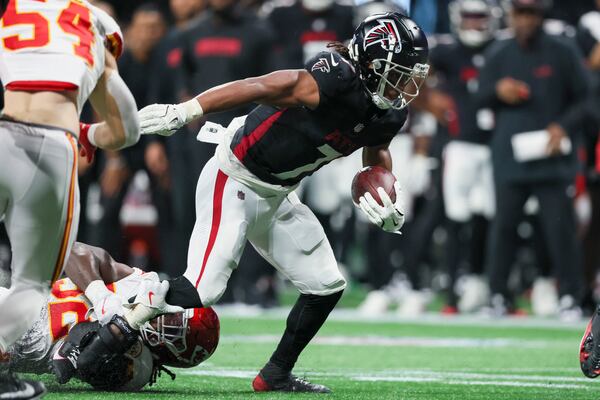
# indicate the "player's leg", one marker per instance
pixel 219 233
pixel 510 199
pixel 459 177
pixel 559 228
pixel 41 222
pixel 296 245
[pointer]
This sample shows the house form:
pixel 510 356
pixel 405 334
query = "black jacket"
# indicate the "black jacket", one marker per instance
pixel 558 82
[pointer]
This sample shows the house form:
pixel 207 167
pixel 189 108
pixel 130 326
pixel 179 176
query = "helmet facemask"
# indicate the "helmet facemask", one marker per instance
pixel 403 80
pixel 168 330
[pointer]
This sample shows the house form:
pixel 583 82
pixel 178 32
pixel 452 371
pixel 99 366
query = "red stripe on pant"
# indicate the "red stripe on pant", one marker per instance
pixel 216 219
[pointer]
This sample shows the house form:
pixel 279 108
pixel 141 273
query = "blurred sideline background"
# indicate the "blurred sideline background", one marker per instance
pixel 139 203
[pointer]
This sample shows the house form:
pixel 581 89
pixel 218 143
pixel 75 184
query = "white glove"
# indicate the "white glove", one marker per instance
pixel 166 119
pixel 105 304
pixel 149 303
pixel 390 216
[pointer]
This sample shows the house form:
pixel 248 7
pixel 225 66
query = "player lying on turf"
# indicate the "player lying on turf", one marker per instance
pixel 180 340
pixel 342 101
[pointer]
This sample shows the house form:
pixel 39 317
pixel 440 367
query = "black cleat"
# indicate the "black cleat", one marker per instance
pixel 589 350
pixel 13 388
pixel 289 384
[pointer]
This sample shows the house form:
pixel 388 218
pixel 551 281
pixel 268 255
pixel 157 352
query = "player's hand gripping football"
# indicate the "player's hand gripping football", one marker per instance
pixel 166 119
pixel 390 216
pixel 149 303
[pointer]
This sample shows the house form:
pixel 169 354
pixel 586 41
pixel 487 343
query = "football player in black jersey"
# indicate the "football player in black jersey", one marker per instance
pixel 343 100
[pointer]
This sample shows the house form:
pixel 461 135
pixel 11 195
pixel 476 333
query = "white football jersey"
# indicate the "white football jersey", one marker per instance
pixel 67 306
pixel 51 45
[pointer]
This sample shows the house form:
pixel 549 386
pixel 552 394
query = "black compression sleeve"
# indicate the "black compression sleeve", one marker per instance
pixel 183 294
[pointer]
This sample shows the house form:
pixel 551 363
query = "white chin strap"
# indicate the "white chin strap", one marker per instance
pixel 317 5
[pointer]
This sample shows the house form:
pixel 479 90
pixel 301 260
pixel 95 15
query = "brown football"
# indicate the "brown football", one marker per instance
pixel 369 179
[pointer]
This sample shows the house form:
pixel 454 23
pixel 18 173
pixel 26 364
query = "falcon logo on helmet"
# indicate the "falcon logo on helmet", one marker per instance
pixel 321 65
pixel 386 34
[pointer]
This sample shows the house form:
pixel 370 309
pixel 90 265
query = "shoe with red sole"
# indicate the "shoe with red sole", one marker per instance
pixel 589 350
pixel 289 384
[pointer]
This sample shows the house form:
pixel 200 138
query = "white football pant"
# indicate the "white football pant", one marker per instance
pixel 282 229
pixel 39 199
pixel 468 182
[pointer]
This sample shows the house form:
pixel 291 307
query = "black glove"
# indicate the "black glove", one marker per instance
pixel 64 365
pixel 107 344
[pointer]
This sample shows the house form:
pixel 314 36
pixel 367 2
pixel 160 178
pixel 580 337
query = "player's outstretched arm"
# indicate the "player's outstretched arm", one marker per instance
pixel 115 104
pixel 285 88
pixel 88 263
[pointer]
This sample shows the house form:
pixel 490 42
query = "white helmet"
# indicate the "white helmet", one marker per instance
pixel 317 5
pixel 485 10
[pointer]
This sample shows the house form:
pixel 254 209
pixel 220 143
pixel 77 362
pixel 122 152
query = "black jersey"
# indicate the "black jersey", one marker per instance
pixel 282 146
pixel 458 67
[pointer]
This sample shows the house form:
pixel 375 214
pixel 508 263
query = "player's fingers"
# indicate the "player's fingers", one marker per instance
pixel 371 214
pixel 372 202
pixel 163 288
pixel 169 309
pixel 151 276
pixel 385 198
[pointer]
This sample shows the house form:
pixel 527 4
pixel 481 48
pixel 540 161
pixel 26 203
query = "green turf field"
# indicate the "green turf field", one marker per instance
pixel 433 358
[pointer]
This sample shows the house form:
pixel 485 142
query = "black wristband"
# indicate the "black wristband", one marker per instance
pixel 183 294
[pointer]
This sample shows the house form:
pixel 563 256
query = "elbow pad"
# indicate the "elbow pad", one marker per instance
pixel 127 108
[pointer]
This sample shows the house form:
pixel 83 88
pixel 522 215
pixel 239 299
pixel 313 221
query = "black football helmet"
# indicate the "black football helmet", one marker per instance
pixel 390 51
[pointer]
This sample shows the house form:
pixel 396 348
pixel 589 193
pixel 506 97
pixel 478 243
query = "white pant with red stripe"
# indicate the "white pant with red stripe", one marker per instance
pixel 282 229
pixel 39 200
pixel 468 184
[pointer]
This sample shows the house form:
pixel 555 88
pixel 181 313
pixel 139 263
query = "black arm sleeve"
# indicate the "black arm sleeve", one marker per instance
pixel 183 294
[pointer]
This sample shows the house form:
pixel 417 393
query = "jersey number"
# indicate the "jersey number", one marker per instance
pixel 75 19
pixel 68 310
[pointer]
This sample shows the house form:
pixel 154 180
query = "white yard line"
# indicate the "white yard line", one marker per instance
pixel 352 315
pixel 424 376
pixel 394 341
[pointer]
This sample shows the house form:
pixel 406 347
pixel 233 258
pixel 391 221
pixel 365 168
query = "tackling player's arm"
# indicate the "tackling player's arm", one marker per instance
pixel 115 104
pixel 88 264
pixel 285 88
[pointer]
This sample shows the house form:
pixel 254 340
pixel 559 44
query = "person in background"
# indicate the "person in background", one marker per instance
pixel 542 91
pixel 168 162
pixel 117 168
pixel 468 188
pixel 304 28
pixel 226 43
pixel 588 38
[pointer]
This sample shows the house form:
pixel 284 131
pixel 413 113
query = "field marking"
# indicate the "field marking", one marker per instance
pixel 424 376
pixel 429 318
pixel 473 383
pixel 395 341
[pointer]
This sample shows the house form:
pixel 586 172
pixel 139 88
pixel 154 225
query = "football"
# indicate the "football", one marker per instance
pixel 369 179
